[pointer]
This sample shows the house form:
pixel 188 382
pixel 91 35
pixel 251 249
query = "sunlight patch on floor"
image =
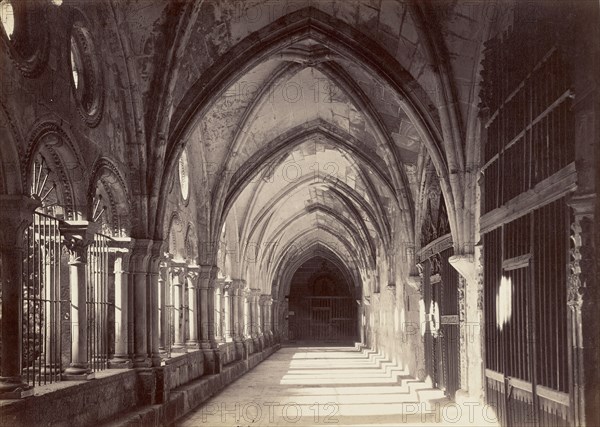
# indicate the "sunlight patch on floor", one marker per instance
pixel 310 386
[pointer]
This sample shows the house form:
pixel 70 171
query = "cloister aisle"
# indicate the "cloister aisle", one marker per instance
pixel 332 386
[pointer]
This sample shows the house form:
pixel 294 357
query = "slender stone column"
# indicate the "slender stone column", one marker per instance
pixel 262 301
pixel 218 289
pixel 249 343
pixel 140 258
pixel 269 314
pixel 237 287
pixel 177 279
pixel 208 343
pixel 16 213
pixel 275 319
pixel 247 315
pixel 163 300
pixel 254 313
pixel 227 310
pixel 266 302
pixel 193 273
pixel 156 253
pixel 77 236
pixel 121 247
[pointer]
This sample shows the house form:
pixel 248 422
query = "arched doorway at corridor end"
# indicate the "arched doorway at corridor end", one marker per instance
pixel 322 304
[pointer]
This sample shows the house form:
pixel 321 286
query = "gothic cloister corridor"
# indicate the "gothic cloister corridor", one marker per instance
pixel 332 386
pixel 386 208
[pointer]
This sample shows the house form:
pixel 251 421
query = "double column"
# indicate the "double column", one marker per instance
pixel 236 291
pixel 144 265
pixel 255 318
pixel 219 325
pixel 208 342
pixel 266 304
pixel 15 216
pixel 121 251
pixel 177 273
pixel 192 276
pixel 164 299
pixel 274 306
pixel 227 312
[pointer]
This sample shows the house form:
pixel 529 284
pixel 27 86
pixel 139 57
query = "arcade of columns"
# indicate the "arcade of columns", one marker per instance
pixel 211 310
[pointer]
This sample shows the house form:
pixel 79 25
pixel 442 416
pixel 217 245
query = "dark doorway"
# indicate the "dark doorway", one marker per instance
pixel 322 305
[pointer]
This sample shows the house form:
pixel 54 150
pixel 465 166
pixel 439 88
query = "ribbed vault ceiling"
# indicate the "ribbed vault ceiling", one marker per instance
pixel 307 154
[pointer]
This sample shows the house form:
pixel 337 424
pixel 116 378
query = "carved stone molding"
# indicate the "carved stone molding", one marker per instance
pixel 574 296
pixel 29 47
pixel 90 93
pixel 480 279
pixel 192 273
pixel 582 268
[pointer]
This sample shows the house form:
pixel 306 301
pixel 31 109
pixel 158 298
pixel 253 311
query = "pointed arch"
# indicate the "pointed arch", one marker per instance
pixel 107 179
pixel 343 40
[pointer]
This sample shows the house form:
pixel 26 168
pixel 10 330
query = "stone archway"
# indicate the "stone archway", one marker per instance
pixel 322 306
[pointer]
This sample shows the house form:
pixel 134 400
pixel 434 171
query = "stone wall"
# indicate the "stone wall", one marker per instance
pixel 394 327
pixel 182 369
pixel 128 396
pixel 189 396
pixel 76 402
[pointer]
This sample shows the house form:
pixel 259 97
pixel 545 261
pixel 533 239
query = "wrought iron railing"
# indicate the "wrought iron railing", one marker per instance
pixel 98 303
pixel 42 304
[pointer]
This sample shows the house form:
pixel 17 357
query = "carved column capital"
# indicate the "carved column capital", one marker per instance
pixel 219 283
pixel 208 275
pixel 157 250
pixel 238 285
pixel 77 236
pixel 192 272
pixel 122 247
pixel 140 254
pixel 178 270
pixel 227 285
pixel 416 280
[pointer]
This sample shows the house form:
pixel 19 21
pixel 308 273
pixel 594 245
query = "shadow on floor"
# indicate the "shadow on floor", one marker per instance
pixel 321 385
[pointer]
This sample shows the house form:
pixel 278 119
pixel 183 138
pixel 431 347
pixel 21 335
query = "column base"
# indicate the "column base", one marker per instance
pixel 178 348
pixel 17 394
pixel 78 372
pixel 14 388
pixel 78 377
pixel 142 362
pixel 120 363
pixel 192 345
pixel 156 360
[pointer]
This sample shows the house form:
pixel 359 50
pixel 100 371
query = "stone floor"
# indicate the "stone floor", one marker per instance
pixel 332 385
